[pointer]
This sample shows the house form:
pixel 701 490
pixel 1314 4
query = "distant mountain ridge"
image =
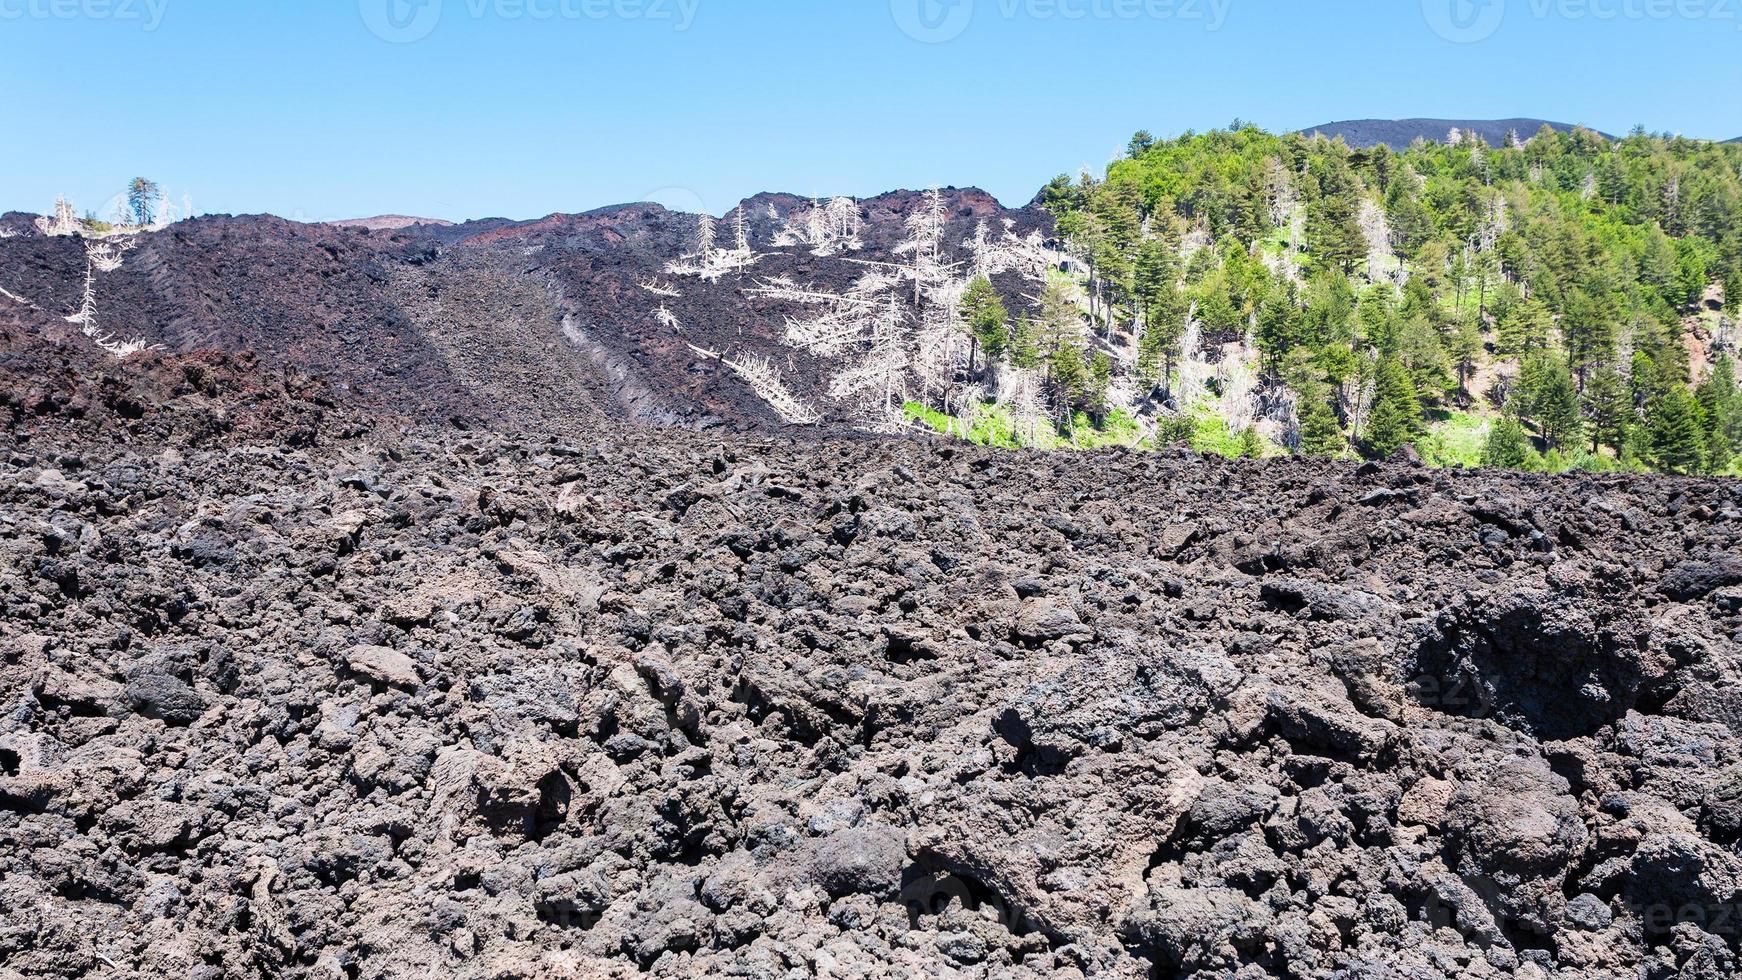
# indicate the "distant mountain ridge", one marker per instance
pixel 1400 133
pixel 389 222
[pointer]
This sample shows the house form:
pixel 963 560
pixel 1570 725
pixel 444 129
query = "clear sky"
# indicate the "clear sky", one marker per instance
pixel 319 109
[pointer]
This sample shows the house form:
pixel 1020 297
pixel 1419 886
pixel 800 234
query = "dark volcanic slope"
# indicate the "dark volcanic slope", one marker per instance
pixel 412 320
pixel 1400 133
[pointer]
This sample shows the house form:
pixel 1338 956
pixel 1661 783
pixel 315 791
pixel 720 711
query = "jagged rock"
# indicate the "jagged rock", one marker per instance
pixel 166 698
pixel 861 861
pixel 1044 620
pixel 865 708
pixel 1698 579
pixel 383 666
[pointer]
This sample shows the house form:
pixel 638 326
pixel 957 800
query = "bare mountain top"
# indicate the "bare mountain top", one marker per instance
pixel 389 222
pixel 1400 133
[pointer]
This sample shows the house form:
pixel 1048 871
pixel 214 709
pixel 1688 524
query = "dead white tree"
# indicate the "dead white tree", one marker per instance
pixel 667 318
pixel 878 380
pixel 659 289
pixel 940 357
pixel 107 255
pixel 101 256
pixel 968 399
pixel 64 222
pixel 86 315
pixel 711 262
pixel 706 232
pixel 1025 255
pixel 1019 391
pixel 1381 248
pixel 1279 193
pixel 840 321
pixel 1496 221
pixel 764 379
pixel 925 243
pixel 1195 240
pixel 826 229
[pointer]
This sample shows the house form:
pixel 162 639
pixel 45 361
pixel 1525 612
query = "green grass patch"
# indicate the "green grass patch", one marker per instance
pixel 993 426
pixel 1117 429
pixel 1456 440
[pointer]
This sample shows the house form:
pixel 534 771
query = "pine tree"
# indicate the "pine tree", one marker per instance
pixel 1678 437
pixel 1060 320
pixel 1610 408
pixel 1156 285
pixel 1411 224
pixel 1589 328
pixel 1396 410
pixel 986 319
pixel 1463 346
pixel 1279 324
pixel 1721 408
pixel 142 197
pixel 1070 376
pixel 1508 446
pixel 1319 433
pixel 1025 350
pixel 1251 444
pixel 1333 219
pixel 1553 401
pixel 1524 329
pixel 1100 382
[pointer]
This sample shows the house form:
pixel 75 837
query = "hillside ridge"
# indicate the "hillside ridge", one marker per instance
pixel 1400 133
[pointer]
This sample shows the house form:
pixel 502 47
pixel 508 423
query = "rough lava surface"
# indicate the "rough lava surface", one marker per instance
pixel 310 667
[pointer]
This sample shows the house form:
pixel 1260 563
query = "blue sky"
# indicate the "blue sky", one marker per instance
pixel 519 108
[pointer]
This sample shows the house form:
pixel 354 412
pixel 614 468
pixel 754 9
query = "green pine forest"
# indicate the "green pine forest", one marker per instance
pixel 1558 302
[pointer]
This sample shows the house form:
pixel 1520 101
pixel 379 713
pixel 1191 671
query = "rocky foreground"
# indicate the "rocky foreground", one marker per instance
pixel 466 704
